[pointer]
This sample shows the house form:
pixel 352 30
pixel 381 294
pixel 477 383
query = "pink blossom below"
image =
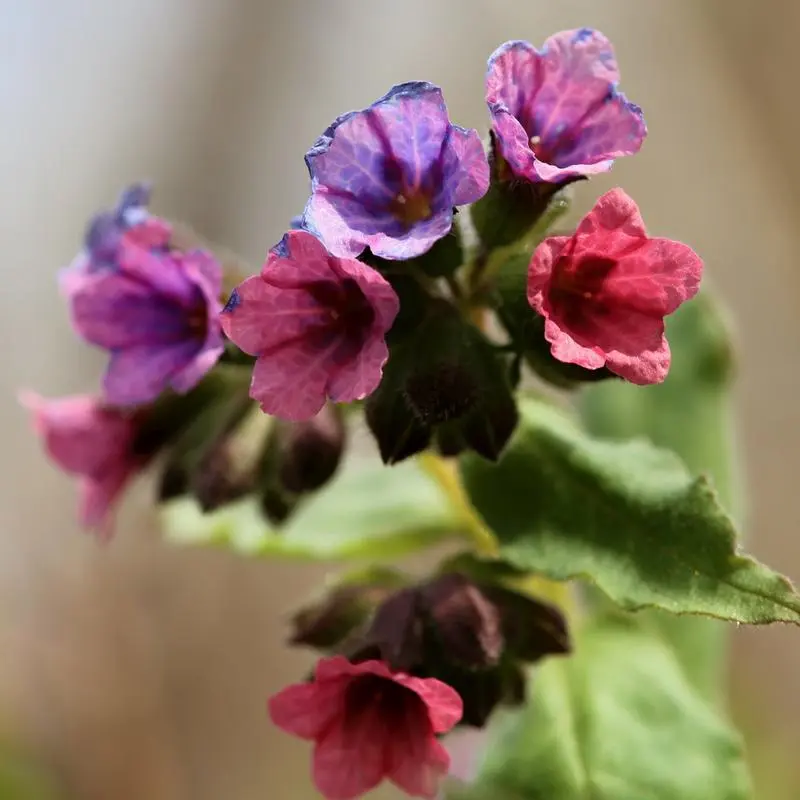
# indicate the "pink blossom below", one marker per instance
pixel 95 443
pixel 604 292
pixel 557 112
pixel 370 724
pixel 317 325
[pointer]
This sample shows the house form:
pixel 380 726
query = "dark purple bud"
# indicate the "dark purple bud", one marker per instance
pixel 466 623
pixel 398 431
pixel 329 621
pixel 214 456
pixel 397 631
pixel 443 392
pixel 312 450
pixel 440 384
pixel 475 637
pixel 277 506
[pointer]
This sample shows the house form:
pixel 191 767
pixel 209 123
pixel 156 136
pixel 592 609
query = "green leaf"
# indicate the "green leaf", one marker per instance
pixel 700 379
pixel 627 516
pixel 616 721
pixel 367 511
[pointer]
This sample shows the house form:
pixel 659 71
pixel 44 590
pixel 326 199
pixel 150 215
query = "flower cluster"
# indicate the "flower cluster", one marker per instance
pixel 410 240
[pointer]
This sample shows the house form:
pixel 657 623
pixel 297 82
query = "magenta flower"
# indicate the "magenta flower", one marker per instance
pixel 368 724
pixel 86 438
pixel 556 112
pixel 605 290
pixel 153 307
pixel 388 177
pixel 317 325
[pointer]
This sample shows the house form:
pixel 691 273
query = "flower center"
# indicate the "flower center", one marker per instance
pixel 348 311
pixel 198 322
pixel 586 279
pixel 386 700
pixel 411 207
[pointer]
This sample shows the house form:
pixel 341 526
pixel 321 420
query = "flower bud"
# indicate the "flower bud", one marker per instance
pixel 328 621
pixel 213 457
pixel 475 636
pixel 311 450
pixel 459 380
pixel 398 431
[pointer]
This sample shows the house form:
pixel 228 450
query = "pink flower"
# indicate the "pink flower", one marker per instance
pixel 317 325
pixel 368 724
pixel 605 290
pixel 93 442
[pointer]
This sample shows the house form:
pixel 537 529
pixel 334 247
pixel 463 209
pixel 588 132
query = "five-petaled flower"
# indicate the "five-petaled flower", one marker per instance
pixel 316 323
pixel 94 442
pixel 605 290
pixel 369 723
pixel 556 112
pixel 155 308
pixel 389 177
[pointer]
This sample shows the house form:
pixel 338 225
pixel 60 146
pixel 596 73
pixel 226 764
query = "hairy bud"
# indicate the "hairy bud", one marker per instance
pixel 311 450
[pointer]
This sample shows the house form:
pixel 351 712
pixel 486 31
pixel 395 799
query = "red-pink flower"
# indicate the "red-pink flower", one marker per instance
pixel 605 290
pixel 317 325
pixel 369 723
pixel 93 442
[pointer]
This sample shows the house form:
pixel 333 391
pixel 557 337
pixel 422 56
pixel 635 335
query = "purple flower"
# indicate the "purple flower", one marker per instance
pixel 388 177
pixel 153 307
pixel 556 112
pixel 317 325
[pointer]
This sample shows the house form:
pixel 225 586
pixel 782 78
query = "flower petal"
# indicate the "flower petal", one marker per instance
pixel 413 119
pixel 261 316
pixel 566 349
pixel 376 289
pixel 418 763
pixel 444 704
pixel 651 276
pixel 113 310
pixel 614 212
pixel 465 166
pixel 291 381
pixel 349 758
pixel 137 375
pixel 339 666
pixel 308 709
pixel 79 434
pixel 359 376
pixel 644 367
pixel 541 267
pixel 159 269
pixel 410 243
pixel 199 366
pixel 98 496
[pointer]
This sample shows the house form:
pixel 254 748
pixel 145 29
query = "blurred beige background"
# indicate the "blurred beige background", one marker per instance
pixel 139 672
